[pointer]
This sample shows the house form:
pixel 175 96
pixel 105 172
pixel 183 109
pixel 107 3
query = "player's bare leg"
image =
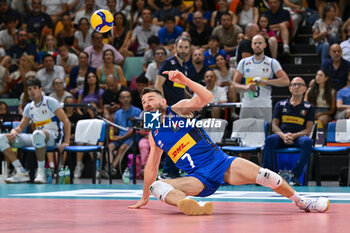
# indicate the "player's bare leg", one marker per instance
pixel 243 171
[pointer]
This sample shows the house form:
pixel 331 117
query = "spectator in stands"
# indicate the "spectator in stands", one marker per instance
pixel 343 101
pixel 96 50
pixel 148 57
pixel 173 92
pixel 213 51
pixel 268 34
pixel 135 14
pixel 292 123
pixel 49 47
pixel 47 74
pixel 91 91
pixel 108 67
pixel 16 51
pixel 323 97
pixel 255 76
pixel 8 34
pixel 6 12
pixel 227 33
pixel 37 22
pixel 142 33
pixel 200 31
pixel 82 36
pixel 4 110
pixel 17 79
pixel 66 59
pixel 3 78
pixel 141 83
pixel 296 11
pixel 222 8
pixel 166 9
pixel 345 45
pixel 169 31
pixel 78 73
pixel 121 138
pixel 198 6
pixel 336 67
pixel 74 6
pixel 220 94
pixel 110 97
pixel 66 35
pixel 279 20
pixel 197 69
pixel 121 35
pixel 152 68
pixel 59 92
pixel 224 74
pixel 86 13
pixel 56 9
pixel 326 31
pixel 246 13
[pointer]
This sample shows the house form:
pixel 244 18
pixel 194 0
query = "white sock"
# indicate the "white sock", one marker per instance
pixel 41 164
pixel 18 166
pixel 296 198
pixel 286 46
pixel 52 164
pixel 79 163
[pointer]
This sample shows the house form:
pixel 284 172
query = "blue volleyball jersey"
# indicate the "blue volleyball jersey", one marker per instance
pixel 187 145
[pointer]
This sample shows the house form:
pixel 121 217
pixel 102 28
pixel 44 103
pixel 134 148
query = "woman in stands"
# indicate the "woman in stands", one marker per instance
pixel 121 35
pixel 323 97
pixel 82 37
pixel 108 67
pixel 66 35
pixel 224 75
pixel 49 47
pixel 135 13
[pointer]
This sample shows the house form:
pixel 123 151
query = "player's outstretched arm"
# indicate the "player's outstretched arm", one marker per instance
pixel 151 172
pixel 186 106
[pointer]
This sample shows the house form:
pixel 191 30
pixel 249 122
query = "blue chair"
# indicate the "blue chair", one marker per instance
pixel 245 149
pixel 332 147
pixel 103 149
pixel 294 150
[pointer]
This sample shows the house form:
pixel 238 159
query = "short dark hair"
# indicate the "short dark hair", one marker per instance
pixel 151 89
pixel 142 79
pixel 45 56
pixel 33 82
pixel 169 18
pixel 184 38
pixel 213 37
pixel 153 40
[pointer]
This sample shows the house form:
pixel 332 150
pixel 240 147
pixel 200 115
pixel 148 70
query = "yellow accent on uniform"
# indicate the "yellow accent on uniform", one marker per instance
pixel 181 147
pixel 41 123
pixel 179 85
pixel 293 120
pixel 249 80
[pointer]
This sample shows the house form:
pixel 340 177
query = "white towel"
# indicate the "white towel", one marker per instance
pixel 88 131
pixel 250 130
pixel 342 130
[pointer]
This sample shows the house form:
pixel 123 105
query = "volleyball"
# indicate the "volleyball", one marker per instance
pixel 102 21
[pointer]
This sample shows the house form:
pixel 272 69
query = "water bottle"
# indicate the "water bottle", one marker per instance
pixel 126 176
pixel 15 144
pixel 67 175
pixel 48 175
pixel 61 176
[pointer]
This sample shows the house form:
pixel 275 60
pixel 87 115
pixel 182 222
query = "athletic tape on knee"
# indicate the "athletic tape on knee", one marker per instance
pixel 38 139
pixel 4 143
pixel 160 189
pixel 268 178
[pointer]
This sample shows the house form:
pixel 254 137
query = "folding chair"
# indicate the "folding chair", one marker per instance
pixel 332 147
pixel 81 136
pixel 216 134
pixel 246 148
pixel 295 150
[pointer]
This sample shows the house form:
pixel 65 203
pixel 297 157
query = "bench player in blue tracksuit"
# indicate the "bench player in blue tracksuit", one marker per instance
pixel 206 165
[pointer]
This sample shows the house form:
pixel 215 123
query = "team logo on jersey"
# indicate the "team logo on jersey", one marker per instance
pixel 284 110
pixel 151 120
pixel 156 132
pixel 266 70
pixel 44 112
pixel 266 63
pixel 247 70
pixel 181 147
pixel 160 144
pixel 303 112
pixel 44 105
pixel 307 105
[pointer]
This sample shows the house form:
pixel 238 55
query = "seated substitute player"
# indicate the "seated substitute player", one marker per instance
pixel 46 114
pixel 206 165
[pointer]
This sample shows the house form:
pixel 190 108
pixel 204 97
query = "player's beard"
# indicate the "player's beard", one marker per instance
pixel 258 52
pixel 182 56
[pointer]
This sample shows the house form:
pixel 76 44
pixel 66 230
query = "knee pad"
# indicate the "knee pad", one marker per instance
pixel 268 178
pixel 4 142
pixel 160 189
pixel 38 139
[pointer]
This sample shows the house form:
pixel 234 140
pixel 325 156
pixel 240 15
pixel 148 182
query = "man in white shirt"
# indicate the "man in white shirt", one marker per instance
pixel 152 68
pixel 47 74
pixel 345 46
pixel 59 93
pixel 66 59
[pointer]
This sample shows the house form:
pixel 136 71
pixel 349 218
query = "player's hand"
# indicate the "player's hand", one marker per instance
pixel 13 134
pixel 62 146
pixel 251 87
pixel 139 204
pixel 176 76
